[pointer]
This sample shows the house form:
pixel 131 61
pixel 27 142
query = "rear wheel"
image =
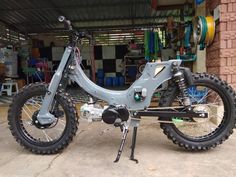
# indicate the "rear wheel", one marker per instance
pixel 208 94
pixel 42 139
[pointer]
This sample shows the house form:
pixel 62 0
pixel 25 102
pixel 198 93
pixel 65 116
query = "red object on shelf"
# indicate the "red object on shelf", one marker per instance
pixel 154 4
pixel 44 67
pixel 181 50
pixel 35 52
pixel 138 32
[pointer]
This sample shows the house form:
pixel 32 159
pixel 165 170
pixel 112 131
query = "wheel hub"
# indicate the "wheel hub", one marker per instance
pixel 36 122
pixel 201 108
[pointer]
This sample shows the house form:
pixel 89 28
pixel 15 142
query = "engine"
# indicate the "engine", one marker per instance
pixel 91 112
pixel 110 115
pixel 115 114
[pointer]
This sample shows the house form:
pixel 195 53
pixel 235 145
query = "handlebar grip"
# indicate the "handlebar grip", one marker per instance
pixel 61 18
pixel 66 22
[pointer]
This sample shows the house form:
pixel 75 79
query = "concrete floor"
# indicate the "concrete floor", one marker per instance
pixel 94 148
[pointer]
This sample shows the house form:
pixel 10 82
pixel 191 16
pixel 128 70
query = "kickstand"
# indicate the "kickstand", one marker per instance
pixel 133 145
pixel 125 132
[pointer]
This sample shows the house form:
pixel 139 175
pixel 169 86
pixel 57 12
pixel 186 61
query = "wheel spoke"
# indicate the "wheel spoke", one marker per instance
pixel 62 122
pixel 37 104
pixel 27 113
pixel 204 97
pixel 28 123
pixel 47 136
pixel 216 99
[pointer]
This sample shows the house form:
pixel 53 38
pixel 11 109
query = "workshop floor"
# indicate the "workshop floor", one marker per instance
pixel 94 148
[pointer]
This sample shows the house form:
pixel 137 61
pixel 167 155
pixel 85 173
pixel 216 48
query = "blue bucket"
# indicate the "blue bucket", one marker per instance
pixel 108 82
pixel 132 71
pixel 121 81
pixel 115 81
pixel 100 74
pixel 100 82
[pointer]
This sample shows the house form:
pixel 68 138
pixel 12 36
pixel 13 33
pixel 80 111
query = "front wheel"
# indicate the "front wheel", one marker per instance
pixel 209 94
pixel 24 126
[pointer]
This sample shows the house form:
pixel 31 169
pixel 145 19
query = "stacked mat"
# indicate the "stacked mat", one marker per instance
pixel 151 45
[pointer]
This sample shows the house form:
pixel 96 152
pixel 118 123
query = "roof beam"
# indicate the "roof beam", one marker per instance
pixel 170 7
pixel 8 25
pixel 104 28
pixel 98 20
pixel 54 7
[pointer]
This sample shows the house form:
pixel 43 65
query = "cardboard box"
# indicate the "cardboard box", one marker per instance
pixel 21 83
pixel 2 69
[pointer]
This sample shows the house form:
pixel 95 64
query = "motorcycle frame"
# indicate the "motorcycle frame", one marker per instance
pixel 154 74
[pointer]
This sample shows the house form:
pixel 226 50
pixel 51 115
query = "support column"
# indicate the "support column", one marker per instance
pixel 200 64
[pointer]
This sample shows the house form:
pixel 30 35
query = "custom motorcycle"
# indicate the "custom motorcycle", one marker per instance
pixel 196 111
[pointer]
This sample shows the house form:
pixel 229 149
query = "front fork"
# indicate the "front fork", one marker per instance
pixel 44 116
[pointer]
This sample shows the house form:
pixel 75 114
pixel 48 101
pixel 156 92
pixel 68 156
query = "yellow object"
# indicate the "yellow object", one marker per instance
pixel 203 31
pixel 211 30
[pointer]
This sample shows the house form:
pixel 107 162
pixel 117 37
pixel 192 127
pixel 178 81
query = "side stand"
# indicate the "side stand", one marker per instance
pixel 133 144
pixel 125 129
pixel 125 132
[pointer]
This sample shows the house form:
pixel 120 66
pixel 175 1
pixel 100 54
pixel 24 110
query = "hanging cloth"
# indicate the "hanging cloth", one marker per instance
pixel 146 45
pixel 156 45
pixel 151 43
pixel 188 31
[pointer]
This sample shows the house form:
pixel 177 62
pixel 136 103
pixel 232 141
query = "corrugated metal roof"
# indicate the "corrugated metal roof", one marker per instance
pixel 31 16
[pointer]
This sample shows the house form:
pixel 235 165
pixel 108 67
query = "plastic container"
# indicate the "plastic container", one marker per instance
pixel 132 71
pixel 121 81
pixel 100 74
pixel 115 81
pixel 108 82
pixel 100 82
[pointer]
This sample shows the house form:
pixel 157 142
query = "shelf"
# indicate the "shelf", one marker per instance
pixel 189 60
pixel 128 82
pixel 134 56
pixel 130 65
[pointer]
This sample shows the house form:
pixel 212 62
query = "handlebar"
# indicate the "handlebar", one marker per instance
pixel 69 27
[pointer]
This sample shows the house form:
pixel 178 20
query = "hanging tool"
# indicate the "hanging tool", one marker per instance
pixel 211 30
pixel 203 31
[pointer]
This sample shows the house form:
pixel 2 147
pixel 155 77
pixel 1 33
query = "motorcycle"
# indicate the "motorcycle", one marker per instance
pixel 196 111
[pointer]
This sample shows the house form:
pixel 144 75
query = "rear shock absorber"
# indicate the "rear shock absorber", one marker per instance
pixel 180 81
